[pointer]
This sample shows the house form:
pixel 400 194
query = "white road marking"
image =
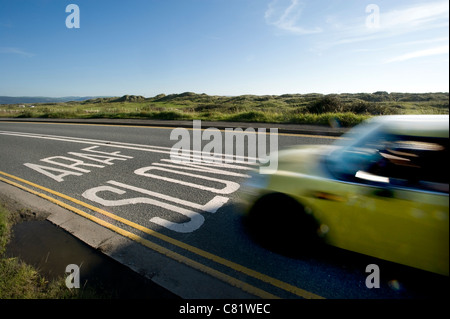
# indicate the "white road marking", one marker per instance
pixel 182 168
pixel 46 170
pixel 210 207
pixel 230 187
pixel 196 219
pixel 131 146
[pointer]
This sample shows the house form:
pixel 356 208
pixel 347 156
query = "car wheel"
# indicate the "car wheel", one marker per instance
pixel 280 223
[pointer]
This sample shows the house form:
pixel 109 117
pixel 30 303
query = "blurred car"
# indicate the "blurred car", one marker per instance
pixel 381 190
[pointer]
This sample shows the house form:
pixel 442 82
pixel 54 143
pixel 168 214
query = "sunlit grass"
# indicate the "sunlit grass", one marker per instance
pixel 345 109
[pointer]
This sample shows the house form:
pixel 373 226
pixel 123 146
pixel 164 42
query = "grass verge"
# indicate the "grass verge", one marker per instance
pixel 19 280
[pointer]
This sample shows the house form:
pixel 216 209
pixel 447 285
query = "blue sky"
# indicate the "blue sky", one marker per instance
pixel 223 47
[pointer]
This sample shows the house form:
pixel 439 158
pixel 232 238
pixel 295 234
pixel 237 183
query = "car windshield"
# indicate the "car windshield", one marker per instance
pixel 356 150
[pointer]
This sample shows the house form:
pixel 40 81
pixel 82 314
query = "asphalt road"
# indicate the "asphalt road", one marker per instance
pixel 121 178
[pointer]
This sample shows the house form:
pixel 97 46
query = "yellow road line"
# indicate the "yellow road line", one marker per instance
pixel 217 274
pixel 249 272
pixel 171 128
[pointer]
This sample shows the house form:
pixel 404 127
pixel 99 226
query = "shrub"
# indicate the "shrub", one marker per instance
pixel 326 104
pixel 252 116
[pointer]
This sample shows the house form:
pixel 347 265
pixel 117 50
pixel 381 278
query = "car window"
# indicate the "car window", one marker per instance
pixel 403 161
pixel 356 152
pixel 413 162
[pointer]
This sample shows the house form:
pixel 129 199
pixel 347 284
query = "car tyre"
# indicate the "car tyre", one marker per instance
pixel 281 224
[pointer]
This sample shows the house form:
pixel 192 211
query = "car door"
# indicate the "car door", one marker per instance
pixel 402 213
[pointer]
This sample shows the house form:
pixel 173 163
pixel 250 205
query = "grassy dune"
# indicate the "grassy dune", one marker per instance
pixel 345 109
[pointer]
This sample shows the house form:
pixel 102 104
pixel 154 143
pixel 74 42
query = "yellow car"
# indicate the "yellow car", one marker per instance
pixel 381 190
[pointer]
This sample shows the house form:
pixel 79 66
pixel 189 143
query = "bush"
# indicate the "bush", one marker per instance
pixel 170 115
pixel 252 116
pixel 326 104
pixel 346 119
pixel 372 108
pixel 26 114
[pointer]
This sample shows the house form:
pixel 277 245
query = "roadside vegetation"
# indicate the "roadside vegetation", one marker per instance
pixel 19 280
pixel 341 109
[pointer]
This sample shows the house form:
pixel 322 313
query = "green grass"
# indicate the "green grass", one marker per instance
pixel 344 109
pixel 4 229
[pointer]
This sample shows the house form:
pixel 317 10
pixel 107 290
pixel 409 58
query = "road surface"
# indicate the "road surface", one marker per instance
pixel 179 224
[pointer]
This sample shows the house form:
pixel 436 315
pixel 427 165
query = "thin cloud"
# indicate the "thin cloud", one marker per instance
pixel 9 50
pixel 424 41
pixel 422 16
pixel 286 14
pixel 394 23
pixel 420 54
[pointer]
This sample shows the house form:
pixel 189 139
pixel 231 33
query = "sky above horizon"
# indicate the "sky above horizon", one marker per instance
pixel 223 47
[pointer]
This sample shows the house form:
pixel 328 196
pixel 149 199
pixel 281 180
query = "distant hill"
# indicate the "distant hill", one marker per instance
pixel 343 109
pixel 43 99
pixel 190 97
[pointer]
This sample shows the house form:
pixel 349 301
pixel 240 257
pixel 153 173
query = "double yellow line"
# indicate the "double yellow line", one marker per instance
pixel 162 250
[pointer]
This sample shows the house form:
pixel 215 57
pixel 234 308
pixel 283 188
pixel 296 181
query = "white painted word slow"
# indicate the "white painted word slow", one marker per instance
pixel 191 211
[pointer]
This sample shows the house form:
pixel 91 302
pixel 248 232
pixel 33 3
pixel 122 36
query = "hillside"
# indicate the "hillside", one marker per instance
pixel 346 109
pixel 41 99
